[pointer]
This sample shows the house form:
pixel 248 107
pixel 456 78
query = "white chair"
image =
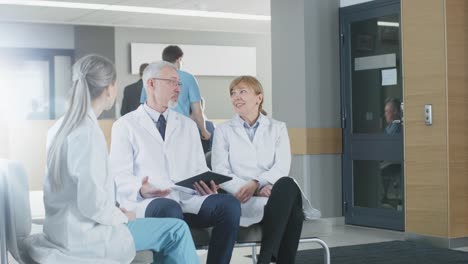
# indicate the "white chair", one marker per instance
pixel 15 213
pixel 3 246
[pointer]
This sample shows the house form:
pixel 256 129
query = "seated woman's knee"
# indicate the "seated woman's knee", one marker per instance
pixel 286 183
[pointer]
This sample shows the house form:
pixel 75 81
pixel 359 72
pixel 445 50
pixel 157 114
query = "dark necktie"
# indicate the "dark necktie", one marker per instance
pixel 162 126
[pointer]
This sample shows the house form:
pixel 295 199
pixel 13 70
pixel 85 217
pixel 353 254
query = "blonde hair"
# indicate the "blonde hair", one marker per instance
pixel 252 83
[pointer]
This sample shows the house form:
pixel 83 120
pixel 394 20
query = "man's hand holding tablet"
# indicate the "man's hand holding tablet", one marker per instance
pixel 205 183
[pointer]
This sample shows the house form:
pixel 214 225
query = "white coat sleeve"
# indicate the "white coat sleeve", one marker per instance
pixel 89 172
pixel 121 163
pixel 220 161
pixel 282 163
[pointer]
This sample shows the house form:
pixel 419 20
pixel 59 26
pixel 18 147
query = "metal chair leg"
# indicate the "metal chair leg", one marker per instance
pixel 254 254
pixel 3 247
pixel 326 253
pixel 326 250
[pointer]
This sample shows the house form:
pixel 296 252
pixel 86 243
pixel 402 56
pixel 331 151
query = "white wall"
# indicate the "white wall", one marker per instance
pixel 201 60
pixel 46 36
pixel 305 73
pixel 213 89
pixel 344 3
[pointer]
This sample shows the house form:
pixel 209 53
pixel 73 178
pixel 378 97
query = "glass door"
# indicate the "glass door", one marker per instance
pixel 372 106
pixel 34 83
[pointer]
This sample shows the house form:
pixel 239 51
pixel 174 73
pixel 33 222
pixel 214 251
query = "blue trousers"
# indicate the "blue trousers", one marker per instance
pixel 220 211
pixel 169 239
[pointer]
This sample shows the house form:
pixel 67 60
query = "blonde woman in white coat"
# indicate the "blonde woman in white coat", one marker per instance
pixel 254 149
pixel 83 224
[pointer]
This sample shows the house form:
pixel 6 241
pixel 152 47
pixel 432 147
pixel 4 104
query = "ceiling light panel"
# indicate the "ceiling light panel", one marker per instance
pixel 256 7
pixel 137 9
pixel 40 14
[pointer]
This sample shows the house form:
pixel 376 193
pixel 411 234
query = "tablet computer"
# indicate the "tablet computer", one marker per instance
pixel 205 177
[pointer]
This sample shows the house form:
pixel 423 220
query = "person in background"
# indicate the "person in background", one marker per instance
pixel 132 94
pixel 83 224
pixel 254 149
pixel 154 147
pixel 210 126
pixel 391 170
pixel 392 116
pixel 189 97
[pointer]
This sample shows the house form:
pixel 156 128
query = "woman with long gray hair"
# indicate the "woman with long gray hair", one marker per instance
pixel 83 223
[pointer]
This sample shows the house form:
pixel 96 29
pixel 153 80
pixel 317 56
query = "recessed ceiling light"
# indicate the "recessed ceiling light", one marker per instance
pixel 137 9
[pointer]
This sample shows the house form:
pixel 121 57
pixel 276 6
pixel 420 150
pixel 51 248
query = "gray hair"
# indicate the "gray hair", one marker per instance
pixel 154 69
pixel 395 103
pixel 92 74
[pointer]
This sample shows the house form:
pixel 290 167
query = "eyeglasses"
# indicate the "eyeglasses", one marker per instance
pixel 173 83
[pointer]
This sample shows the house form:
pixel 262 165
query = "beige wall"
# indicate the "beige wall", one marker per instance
pixel 26 141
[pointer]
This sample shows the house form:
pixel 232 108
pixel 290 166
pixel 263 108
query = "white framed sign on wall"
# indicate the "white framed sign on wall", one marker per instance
pixel 201 60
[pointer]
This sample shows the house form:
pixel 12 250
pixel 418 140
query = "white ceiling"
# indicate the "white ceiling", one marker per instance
pixel 20 13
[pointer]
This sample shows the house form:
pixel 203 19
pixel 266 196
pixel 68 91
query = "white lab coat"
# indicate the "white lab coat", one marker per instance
pixel 266 159
pixel 82 223
pixel 138 150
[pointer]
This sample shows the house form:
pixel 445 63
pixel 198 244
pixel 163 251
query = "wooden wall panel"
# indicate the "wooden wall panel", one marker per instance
pixel 106 126
pixel 310 141
pixel 457 92
pixel 424 82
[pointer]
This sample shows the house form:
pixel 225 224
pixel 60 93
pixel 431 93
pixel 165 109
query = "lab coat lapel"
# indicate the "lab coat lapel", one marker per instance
pixel 147 123
pixel 173 122
pixel 240 130
pixel 262 127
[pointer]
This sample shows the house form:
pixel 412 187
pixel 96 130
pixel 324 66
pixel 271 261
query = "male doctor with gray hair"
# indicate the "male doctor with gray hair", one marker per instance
pixel 152 148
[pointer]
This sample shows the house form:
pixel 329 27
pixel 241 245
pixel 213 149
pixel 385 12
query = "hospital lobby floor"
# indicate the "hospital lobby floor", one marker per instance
pixel 340 235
